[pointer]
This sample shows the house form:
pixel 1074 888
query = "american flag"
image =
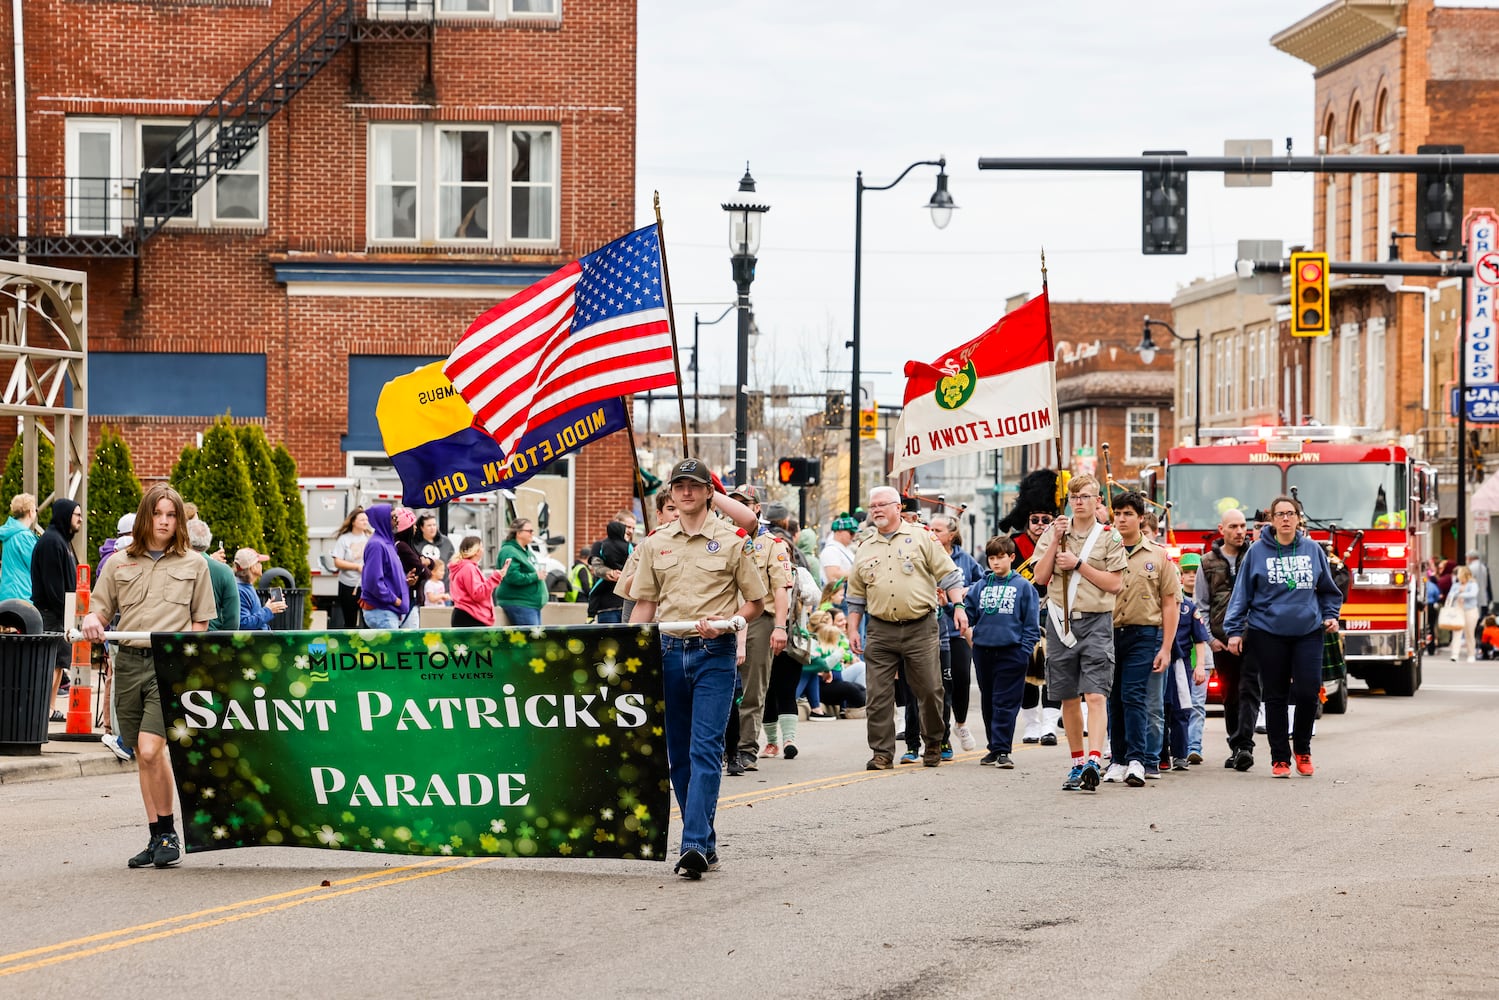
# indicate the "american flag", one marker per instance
pixel 594 330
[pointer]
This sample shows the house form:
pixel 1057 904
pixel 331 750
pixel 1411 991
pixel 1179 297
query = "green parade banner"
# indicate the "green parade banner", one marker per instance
pixel 510 742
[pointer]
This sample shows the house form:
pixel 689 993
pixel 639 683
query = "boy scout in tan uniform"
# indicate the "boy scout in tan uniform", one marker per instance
pixel 157 584
pixel 897 571
pixel 764 640
pixel 696 569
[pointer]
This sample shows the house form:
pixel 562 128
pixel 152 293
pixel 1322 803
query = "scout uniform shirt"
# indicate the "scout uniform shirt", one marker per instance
pixel 773 560
pixel 897 576
pixel 154 595
pixel 1150 579
pixel 1107 555
pixel 696 576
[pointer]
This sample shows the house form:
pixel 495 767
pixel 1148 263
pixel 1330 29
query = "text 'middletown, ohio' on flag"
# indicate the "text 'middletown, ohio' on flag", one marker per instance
pixel 594 330
pixel 997 390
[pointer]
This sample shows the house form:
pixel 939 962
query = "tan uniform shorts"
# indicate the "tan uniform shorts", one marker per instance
pixel 137 702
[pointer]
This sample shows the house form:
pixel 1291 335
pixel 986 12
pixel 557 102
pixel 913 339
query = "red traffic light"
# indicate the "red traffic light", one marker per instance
pixel 1311 271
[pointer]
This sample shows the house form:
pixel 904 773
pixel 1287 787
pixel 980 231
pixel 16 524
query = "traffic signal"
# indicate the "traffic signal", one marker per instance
pixel 1439 206
pixel 869 423
pixel 1164 198
pixel 832 412
pixel 1309 312
pixel 798 471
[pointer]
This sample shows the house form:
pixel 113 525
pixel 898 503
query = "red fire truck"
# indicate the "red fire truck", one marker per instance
pixel 1361 493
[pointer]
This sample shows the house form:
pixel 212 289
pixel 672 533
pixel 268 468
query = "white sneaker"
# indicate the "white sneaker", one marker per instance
pixel 1134 775
pixel 113 742
pixel 965 738
pixel 1114 773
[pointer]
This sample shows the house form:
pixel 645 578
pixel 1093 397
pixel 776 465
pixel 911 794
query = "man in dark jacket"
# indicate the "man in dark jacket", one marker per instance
pixel 54 575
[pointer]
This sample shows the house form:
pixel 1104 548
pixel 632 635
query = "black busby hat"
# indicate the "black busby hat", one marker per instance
pixel 1038 495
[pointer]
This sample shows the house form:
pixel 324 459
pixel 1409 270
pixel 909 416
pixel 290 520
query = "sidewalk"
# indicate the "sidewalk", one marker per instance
pixel 75 757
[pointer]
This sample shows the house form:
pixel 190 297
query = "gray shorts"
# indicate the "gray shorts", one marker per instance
pixel 1086 667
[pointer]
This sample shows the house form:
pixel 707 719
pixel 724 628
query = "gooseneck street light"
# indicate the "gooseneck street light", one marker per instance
pixel 1147 351
pixel 941 206
pixel 745 212
pixel 696 370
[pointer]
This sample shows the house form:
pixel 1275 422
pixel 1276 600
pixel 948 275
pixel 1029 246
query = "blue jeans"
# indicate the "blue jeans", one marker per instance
pixel 387 620
pixel 602 618
pixel 1135 647
pixel 810 688
pixel 699 675
pixel 1155 703
pixel 1199 717
pixel 521 616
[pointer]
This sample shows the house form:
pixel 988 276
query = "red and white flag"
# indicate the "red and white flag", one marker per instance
pixel 594 330
pixel 995 391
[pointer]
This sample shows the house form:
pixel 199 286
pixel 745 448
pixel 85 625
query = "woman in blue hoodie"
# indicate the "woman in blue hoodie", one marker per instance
pixel 1283 601
pixel 383 591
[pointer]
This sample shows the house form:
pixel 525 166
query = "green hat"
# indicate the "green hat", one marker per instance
pixel 845 522
pixel 1191 560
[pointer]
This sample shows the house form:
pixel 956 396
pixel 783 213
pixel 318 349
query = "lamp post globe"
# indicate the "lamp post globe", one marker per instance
pixel 746 211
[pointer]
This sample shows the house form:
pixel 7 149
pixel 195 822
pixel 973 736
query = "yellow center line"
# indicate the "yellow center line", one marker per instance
pixel 290 896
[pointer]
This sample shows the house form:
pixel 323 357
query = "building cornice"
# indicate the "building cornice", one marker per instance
pixel 1340 29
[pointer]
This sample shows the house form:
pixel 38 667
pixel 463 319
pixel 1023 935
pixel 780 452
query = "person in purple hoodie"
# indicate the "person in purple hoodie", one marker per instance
pixel 384 594
pixel 1284 600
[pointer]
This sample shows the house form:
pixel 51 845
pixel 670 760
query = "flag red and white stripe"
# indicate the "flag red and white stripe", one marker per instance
pixel 593 330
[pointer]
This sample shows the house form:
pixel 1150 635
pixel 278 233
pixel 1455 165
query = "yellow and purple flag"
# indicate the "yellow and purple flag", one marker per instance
pixel 431 439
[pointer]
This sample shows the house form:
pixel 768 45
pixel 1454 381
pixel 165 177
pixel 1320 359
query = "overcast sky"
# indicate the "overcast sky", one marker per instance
pixel 811 93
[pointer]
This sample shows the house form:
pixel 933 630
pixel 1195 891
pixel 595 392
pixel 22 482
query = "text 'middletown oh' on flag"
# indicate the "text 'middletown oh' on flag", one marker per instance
pixel 594 330
pixel 995 391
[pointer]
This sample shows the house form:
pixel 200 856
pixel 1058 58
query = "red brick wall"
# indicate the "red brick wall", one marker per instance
pixel 216 291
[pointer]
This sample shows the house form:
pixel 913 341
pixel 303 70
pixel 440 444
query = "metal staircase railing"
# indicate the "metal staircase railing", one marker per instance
pixel 220 135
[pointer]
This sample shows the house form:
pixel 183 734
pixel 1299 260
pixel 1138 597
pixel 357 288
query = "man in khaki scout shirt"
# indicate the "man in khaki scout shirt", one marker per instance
pixel 1144 629
pixel 696 569
pixel 157 584
pixel 897 573
pixel 1082 569
pixel 766 636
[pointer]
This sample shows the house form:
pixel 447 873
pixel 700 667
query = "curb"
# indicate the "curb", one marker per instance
pixel 49 766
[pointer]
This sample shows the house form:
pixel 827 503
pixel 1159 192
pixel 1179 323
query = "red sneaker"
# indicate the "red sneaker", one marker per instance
pixel 1304 765
pixel 1280 769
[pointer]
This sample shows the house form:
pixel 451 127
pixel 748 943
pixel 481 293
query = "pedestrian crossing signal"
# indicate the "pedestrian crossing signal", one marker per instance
pixel 798 471
pixel 1310 316
pixel 869 423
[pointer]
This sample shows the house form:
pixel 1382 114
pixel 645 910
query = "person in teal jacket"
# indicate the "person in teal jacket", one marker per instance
pixel 17 539
pixel 523 593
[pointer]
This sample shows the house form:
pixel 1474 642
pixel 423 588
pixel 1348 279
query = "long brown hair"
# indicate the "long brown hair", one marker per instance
pixel 348 525
pixel 144 532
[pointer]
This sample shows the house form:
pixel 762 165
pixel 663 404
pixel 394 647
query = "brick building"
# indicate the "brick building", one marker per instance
pixel 372 175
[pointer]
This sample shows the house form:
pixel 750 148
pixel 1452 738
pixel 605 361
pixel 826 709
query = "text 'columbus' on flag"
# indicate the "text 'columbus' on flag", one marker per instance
pixel 591 331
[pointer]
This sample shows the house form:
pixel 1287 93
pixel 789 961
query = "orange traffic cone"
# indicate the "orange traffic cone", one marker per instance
pixel 81 695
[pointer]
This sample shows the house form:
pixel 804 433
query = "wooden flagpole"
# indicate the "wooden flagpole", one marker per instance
pixel 671 323
pixel 1057 440
pixel 645 507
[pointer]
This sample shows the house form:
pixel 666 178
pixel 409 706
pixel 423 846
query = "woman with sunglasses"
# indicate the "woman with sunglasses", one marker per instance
pixel 1284 601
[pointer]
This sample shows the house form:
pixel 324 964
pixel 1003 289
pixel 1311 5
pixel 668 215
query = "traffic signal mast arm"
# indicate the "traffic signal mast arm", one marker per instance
pixel 1411 269
pixel 1402 163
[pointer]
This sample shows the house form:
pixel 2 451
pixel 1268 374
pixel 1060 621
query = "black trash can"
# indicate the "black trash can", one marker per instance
pixel 292 618
pixel 26 663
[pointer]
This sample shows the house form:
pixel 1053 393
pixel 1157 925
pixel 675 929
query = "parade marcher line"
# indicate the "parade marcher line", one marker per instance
pixel 228 919
pixel 76 636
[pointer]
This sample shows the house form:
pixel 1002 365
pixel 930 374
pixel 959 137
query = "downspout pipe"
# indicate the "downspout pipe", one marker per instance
pixel 19 35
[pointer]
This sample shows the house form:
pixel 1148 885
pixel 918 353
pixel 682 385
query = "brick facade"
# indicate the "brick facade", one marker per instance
pixel 222 290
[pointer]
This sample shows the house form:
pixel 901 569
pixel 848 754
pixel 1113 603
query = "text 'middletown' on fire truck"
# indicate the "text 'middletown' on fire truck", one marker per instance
pixel 1362 495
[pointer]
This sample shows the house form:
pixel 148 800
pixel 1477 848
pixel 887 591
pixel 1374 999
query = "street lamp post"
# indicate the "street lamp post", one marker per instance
pixel 696 371
pixel 745 212
pixel 1147 351
pixel 941 206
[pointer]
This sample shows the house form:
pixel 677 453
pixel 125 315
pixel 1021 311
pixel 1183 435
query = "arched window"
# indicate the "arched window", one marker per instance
pixel 1382 112
pixel 1326 137
pixel 1355 122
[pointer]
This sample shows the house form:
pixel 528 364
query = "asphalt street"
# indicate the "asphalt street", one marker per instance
pixel 1375 878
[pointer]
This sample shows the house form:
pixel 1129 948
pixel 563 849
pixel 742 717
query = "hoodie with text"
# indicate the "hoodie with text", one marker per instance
pixel 383 580
pixel 1284 589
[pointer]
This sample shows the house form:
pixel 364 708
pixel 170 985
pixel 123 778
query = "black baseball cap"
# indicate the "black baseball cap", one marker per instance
pixel 691 468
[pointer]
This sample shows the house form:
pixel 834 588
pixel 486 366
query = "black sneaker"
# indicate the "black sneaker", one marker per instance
pixel 713 861
pixel 734 766
pixel 691 864
pixel 168 850
pixel 144 858
pixel 989 758
pixel 747 760
pixel 788 750
pixel 1243 760
pixel 1050 739
pixel 1233 759
pixel 1004 761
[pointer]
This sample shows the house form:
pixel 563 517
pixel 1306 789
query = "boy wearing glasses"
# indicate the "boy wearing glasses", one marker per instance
pixel 1082 568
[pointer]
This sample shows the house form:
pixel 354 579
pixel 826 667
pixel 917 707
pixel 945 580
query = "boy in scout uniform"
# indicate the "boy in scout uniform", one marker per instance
pixel 696 569
pixel 157 584
pixel 897 572
pixel 1082 569
pixel 1145 614
pixel 766 637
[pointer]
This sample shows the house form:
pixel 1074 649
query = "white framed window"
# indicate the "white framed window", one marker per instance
pixel 1322 373
pixel 1188 391
pixel 233 196
pixel 421 10
pixel 1350 373
pixel 1142 430
pixel 1356 217
pixel 489 185
pixel 1382 217
pixel 154 143
pixel 239 191
pixel 1374 373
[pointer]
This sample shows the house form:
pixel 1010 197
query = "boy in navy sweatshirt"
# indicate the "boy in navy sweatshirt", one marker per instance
pixel 1284 600
pixel 1004 612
